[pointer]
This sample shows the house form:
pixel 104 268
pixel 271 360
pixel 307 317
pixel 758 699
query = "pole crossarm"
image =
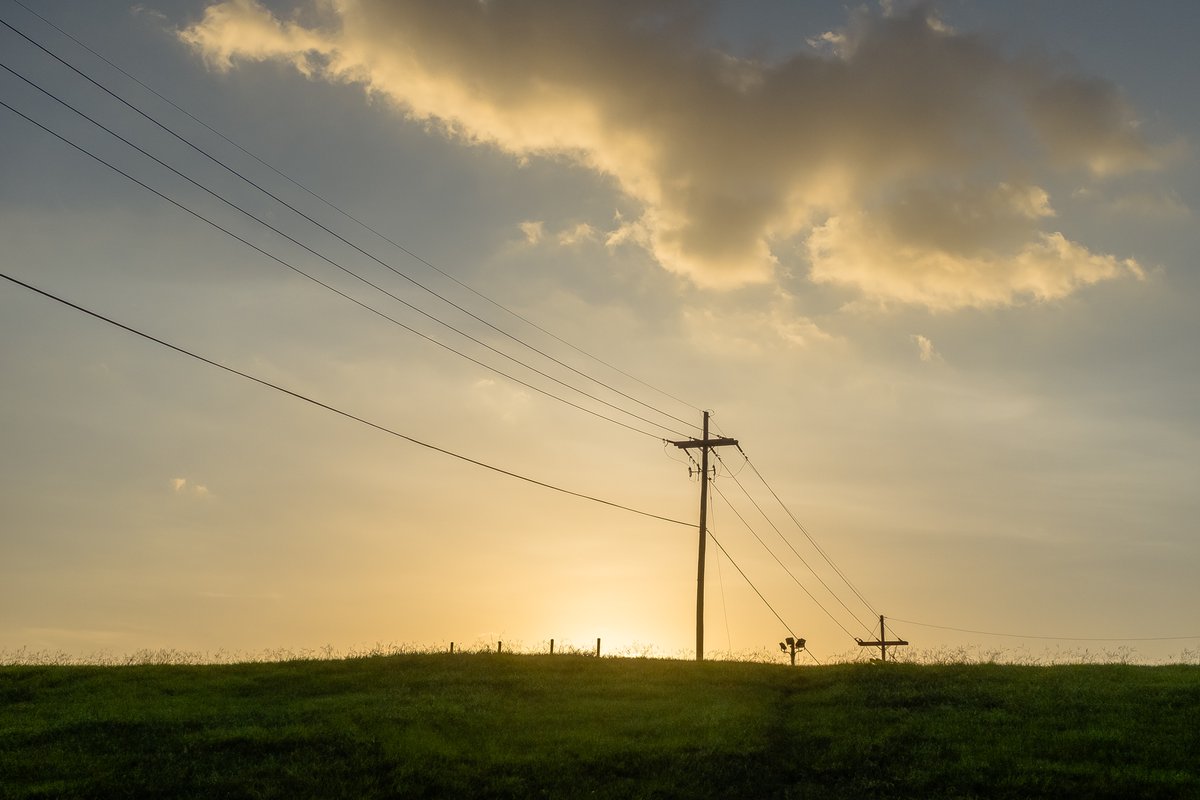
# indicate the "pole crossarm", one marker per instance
pixel 884 643
pixel 688 444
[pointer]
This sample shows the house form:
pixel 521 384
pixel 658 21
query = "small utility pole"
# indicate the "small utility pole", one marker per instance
pixel 883 644
pixel 705 444
pixel 790 645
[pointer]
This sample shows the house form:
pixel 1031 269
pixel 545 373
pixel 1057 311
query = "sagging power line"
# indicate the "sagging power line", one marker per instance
pixel 390 431
pixel 287 391
pixel 795 552
pixel 329 204
pixel 761 597
pixel 703 444
pixel 369 255
pixel 808 535
pixel 214 160
pixel 333 409
pixel 778 561
pixel 316 280
pixel 323 257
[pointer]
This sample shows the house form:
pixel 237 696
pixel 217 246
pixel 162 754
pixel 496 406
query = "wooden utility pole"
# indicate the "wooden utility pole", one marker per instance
pixel 705 444
pixel 883 644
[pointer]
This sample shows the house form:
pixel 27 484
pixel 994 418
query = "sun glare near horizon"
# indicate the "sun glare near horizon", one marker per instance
pixel 332 324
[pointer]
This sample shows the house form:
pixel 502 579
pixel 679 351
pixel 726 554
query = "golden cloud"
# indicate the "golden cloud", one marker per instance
pixel 889 151
pixel 847 250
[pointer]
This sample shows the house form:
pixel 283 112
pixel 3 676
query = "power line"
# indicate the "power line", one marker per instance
pixel 294 241
pixel 338 236
pixel 346 214
pixel 750 583
pixel 338 411
pixel 807 535
pixel 327 259
pixel 1053 638
pixel 780 563
pixel 318 281
pixel 721 582
pixel 795 552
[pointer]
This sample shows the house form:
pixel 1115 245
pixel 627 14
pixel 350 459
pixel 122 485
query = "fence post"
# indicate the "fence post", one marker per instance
pixel 452 648
pixel 551 647
pixel 499 647
pixel 597 647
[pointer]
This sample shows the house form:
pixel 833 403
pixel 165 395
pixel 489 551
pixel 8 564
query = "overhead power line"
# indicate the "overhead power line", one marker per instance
pixel 808 536
pixel 345 213
pixel 335 410
pixel 750 583
pixel 780 563
pixel 721 582
pixel 1054 638
pixel 318 281
pixel 339 237
pixel 310 250
pixel 794 552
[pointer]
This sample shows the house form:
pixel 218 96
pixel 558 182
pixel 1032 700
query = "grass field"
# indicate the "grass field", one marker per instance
pixel 487 725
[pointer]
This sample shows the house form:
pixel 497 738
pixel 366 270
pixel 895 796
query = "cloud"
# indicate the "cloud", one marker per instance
pixel 533 230
pixel 853 251
pixel 925 349
pixel 184 486
pixel 535 233
pixel 583 232
pixel 140 10
pixel 1085 121
pixel 731 158
pixel 829 42
pixel 754 330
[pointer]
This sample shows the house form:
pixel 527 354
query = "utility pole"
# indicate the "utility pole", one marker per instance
pixel 705 444
pixel 790 645
pixel 883 644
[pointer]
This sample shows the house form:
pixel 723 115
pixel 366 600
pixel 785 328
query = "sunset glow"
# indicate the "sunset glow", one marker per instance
pixel 932 265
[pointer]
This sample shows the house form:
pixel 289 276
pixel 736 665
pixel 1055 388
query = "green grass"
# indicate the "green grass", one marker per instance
pixel 568 726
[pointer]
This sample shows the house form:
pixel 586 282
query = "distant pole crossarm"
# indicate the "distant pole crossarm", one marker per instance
pixel 704 444
pixel 693 443
pixel 883 644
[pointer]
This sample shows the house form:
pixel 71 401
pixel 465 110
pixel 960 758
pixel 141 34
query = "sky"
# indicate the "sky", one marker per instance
pixel 932 265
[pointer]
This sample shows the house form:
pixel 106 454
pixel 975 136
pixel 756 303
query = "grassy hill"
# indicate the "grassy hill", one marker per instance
pixel 569 726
